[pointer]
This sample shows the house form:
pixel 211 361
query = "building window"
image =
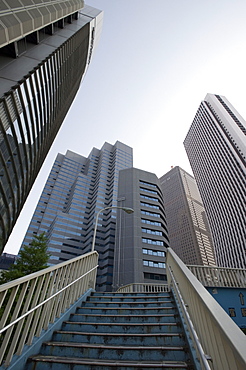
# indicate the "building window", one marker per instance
pixel 151 252
pixel 148 184
pixel 153 232
pixel 149 205
pixel 162 277
pixel 149 191
pixel 150 214
pixel 153 242
pixel 149 198
pixel 160 265
pixel 154 223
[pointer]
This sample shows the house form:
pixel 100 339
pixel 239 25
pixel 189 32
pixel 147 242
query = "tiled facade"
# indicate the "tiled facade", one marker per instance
pixel 188 229
pixel 216 147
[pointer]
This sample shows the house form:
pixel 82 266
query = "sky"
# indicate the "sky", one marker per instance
pixel 154 64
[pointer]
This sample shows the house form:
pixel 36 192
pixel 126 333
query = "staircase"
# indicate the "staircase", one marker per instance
pixel 118 331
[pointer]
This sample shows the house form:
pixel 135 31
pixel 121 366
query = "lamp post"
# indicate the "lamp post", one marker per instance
pixel 125 209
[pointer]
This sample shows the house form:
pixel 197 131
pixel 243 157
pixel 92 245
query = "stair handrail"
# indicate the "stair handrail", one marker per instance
pixel 219 335
pixel 29 304
pixel 143 288
pixel 201 353
pixel 215 276
pixel 45 301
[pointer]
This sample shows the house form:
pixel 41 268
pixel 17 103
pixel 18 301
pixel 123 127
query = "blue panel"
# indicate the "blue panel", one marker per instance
pixel 233 301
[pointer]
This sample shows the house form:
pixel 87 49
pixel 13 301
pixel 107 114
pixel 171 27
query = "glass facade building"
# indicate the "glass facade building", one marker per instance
pixel 216 147
pixel 188 228
pixel 77 188
pixel 45 50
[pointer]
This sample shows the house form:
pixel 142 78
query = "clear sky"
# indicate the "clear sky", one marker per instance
pixel 154 64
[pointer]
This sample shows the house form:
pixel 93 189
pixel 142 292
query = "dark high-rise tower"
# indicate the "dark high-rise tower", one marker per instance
pixel 216 147
pixel 188 229
pixel 141 240
pixel 77 188
pixel 45 50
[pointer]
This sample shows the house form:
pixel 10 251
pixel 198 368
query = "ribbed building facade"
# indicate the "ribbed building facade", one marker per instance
pixel 188 228
pixel 216 147
pixel 45 50
pixel 77 188
pixel 141 239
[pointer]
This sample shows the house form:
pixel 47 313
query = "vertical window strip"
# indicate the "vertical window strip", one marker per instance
pixel 39 104
pixel 33 108
pixel 45 100
pixel 25 122
pixel 31 120
pixel 19 139
pixel 12 166
pixel 53 87
pixel 42 97
pixel 34 87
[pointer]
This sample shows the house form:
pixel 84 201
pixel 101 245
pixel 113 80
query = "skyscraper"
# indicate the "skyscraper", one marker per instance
pixel 77 188
pixel 141 240
pixel 188 229
pixel 216 147
pixel 45 50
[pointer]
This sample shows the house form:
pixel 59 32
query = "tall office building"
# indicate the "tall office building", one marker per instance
pixel 188 228
pixel 76 189
pixel 141 240
pixel 45 49
pixel 216 148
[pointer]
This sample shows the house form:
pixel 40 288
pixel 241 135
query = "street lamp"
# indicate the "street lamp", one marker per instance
pixel 125 209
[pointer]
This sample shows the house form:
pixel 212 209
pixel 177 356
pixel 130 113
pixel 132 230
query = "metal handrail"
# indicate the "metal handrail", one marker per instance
pixel 45 301
pixel 26 278
pixel 219 335
pixel 143 288
pixel 202 356
pixel 214 276
pixel 31 303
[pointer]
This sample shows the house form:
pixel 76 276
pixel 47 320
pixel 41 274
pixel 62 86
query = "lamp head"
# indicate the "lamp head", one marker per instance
pixel 128 210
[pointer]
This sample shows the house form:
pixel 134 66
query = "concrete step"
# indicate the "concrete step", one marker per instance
pixel 137 328
pixel 128 298
pixel 150 339
pixel 107 318
pixel 70 363
pixel 127 310
pixel 123 331
pixel 116 353
pixel 110 294
pixel 135 304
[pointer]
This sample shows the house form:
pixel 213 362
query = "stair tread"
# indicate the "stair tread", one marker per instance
pixel 121 334
pixel 116 315
pixel 165 294
pixel 128 308
pixel 89 361
pixel 122 323
pixel 103 346
pixel 133 294
pixel 132 302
